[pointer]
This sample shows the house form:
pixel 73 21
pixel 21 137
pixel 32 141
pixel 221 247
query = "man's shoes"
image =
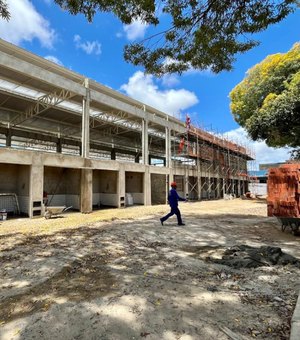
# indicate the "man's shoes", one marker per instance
pixel 161 222
pixel 181 223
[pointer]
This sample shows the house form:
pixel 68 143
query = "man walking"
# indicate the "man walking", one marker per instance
pixel 173 199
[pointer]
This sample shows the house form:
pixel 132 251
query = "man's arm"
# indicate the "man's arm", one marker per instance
pixel 180 198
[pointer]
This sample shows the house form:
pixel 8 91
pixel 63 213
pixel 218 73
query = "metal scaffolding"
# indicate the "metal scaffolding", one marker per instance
pixel 215 167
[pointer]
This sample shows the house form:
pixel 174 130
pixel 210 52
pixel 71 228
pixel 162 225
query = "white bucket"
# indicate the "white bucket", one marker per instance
pixel 3 216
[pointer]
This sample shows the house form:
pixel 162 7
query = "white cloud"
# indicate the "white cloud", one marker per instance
pixel 26 24
pixel 135 30
pixel 170 80
pixel 54 59
pixel 143 88
pixel 88 47
pixel 263 154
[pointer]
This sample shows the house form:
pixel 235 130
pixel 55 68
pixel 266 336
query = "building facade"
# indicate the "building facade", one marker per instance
pixel 68 140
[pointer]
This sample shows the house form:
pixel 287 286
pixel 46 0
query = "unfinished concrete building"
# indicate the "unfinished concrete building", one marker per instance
pixel 88 146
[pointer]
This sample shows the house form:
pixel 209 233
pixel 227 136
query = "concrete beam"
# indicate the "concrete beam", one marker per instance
pixel 36 72
pixel 135 111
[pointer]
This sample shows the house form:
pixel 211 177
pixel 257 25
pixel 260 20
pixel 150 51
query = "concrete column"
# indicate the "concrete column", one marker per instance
pixel 145 145
pixel 168 147
pixel 186 186
pixel 8 138
pixel 239 187
pixel 209 185
pixel 121 188
pixel 147 187
pixel 113 154
pixel 86 191
pixel 199 186
pixel 245 186
pixel 169 180
pixel 219 187
pixel 224 186
pixel 167 187
pixel 36 185
pixel 85 131
pixel 137 158
pixel 59 146
pixel 234 187
pixel 239 178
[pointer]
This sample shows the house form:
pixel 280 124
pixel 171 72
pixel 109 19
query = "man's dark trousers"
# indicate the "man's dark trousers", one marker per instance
pixel 174 210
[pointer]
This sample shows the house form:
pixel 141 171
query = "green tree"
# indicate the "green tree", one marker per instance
pixel 201 33
pixel 4 13
pixel 267 102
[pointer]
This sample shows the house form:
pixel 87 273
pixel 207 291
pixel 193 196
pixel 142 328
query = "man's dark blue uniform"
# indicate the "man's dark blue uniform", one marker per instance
pixel 173 199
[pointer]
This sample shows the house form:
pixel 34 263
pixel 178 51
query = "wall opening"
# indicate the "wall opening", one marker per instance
pixel 193 189
pixel 105 189
pixel 158 189
pixel 14 189
pixel 62 187
pixel 180 184
pixel 134 188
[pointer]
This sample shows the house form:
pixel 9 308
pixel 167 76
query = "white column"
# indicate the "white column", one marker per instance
pixel 199 185
pixel 145 146
pixel 168 147
pixel 186 183
pixel 121 186
pixel 86 191
pixel 36 186
pixel 85 131
pixel 218 186
pixel 147 187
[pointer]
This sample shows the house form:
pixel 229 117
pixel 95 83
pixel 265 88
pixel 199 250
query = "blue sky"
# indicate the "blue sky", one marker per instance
pixel 96 51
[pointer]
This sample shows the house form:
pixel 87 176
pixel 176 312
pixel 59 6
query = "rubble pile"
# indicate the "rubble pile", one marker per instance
pixel 243 256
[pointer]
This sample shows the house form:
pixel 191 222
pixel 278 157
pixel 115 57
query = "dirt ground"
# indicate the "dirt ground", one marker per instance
pixel 118 274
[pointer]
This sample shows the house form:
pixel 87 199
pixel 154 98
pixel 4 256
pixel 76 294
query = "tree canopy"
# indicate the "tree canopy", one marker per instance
pixel 201 33
pixel 267 102
pixel 4 13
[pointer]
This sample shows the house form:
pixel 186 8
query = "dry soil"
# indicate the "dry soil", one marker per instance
pixel 118 274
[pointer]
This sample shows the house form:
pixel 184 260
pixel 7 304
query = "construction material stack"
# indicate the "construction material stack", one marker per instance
pixel 284 191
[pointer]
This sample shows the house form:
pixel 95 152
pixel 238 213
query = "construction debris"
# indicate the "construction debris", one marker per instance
pixel 244 256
